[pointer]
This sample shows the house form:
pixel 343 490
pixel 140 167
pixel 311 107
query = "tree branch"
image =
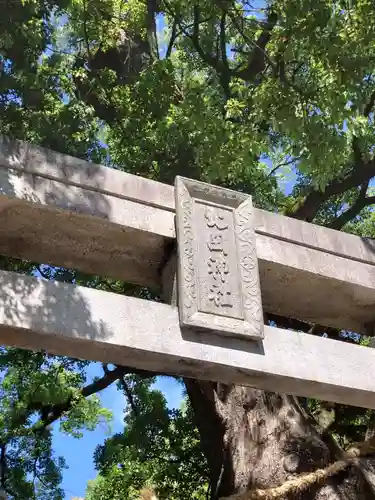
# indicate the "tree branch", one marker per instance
pixel 361 202
pixel 53 413
pixel 360 174
pixel 258 56
pixel 315 199
pixel 174 35
pixel 151 29
pixel 283 164
pixel 303 326
pixel 225 74
pixel 208 58
pixel 129 396
pixel 85 32
pixel 255 45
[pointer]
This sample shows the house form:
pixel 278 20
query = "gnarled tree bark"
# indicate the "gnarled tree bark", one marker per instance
pixel 254 439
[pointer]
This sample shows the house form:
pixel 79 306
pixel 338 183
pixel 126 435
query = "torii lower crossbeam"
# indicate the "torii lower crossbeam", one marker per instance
pixel 80 322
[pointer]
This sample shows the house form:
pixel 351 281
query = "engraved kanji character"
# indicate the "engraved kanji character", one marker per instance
pixel 215 219
pixel 218 268
pixel 220 295
pixel 215 243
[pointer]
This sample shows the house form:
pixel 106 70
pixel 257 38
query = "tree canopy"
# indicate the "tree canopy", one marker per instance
pixel 273 98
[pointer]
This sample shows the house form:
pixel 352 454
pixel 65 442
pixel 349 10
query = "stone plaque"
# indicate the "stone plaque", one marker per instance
pixel 218 278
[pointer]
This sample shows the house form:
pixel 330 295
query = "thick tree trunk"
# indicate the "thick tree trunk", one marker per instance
pixel 253 439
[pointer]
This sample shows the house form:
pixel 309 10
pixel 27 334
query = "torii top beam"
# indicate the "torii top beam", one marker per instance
pixel 120 225
pixel 106 222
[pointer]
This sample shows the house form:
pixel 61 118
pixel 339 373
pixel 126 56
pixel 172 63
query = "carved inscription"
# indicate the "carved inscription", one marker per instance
pixel 218 281
pixel 218 262
pixel 218 277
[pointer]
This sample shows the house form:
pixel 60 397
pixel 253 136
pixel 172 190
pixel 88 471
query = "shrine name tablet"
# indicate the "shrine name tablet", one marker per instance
pixel 218 278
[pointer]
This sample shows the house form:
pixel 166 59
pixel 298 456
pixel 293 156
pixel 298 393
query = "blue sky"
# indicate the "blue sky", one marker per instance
pixel 78 453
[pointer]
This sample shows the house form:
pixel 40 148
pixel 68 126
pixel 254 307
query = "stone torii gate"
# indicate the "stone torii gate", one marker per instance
pixel 234 261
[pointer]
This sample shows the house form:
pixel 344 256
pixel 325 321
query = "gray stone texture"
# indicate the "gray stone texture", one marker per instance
pixel 90 324
pixel 218 278
pixel 111 223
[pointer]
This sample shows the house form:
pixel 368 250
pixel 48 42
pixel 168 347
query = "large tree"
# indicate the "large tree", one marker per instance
pixel 273 98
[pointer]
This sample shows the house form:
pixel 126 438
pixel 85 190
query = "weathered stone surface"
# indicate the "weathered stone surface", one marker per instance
pixel 218 279
pixel 87 230
pixel 319 287
pixel 305 234
pixel 26 158
pixel 90 324
pixel 107 222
